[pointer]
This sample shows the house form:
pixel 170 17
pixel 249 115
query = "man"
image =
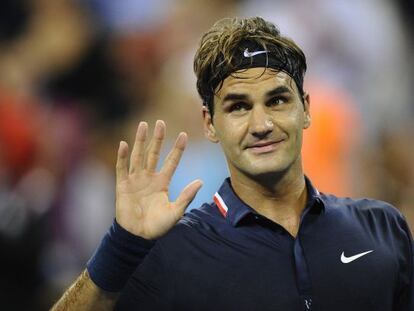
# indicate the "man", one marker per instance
pixel 270 240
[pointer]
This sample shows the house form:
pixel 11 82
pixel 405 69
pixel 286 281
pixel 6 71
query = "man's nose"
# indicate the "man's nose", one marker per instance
pixel 261 123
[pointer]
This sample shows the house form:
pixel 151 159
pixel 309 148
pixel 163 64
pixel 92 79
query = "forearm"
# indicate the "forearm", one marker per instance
pixel 83 294
pixel 109 269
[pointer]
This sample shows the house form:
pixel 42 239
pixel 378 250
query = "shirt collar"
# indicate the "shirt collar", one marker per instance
pixel 234 209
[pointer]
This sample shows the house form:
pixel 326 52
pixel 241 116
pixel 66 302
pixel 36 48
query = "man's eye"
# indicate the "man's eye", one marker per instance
pixel 277 101
pixel 238 107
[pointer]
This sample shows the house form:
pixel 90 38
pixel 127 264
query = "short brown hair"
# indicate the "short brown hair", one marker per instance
pixel 216 57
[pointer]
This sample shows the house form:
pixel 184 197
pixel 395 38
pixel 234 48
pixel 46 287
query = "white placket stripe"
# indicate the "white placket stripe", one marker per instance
pixel 220 204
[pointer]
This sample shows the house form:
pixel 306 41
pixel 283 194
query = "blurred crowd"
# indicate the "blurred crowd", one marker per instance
pixel 76 77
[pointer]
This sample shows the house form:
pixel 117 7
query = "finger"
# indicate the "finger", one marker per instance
pixel 137 154
pixel 173 158
pixel 186 196
pixel 122 162
pixel 155 146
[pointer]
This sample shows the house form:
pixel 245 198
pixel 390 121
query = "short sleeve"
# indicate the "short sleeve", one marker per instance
pixel 405 298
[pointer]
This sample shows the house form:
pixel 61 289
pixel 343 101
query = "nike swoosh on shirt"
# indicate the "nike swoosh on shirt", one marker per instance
pixel 345 259
pixel 246 53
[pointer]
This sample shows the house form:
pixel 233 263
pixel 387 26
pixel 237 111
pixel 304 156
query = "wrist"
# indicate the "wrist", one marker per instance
pixel 117 257
pixel 129 228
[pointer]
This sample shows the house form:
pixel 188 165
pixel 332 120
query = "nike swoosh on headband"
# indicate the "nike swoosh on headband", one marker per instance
pixel 246 53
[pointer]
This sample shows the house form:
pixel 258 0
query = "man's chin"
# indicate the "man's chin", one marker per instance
pixel 267 173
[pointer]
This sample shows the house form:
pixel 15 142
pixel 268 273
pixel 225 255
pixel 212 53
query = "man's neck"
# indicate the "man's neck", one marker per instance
pixel 282 200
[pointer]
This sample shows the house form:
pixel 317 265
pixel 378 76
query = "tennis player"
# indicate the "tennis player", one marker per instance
pixel 269 240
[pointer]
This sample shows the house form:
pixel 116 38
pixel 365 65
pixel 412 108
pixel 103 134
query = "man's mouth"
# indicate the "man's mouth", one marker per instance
pixel 264 147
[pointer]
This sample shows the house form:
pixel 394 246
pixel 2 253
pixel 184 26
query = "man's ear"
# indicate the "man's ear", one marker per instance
pixel 306 106
pixel 209 130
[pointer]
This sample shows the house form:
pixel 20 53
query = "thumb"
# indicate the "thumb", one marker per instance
pixel 187 195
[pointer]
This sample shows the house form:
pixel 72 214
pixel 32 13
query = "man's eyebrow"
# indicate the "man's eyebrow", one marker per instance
pixel 279 90
pixel 234 97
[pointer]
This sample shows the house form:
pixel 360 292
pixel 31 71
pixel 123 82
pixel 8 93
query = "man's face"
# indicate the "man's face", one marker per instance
pixel 258 119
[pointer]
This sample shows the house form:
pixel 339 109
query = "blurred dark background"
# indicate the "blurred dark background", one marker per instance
pixel 76 77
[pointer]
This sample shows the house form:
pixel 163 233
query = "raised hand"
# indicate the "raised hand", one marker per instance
pixel 142 204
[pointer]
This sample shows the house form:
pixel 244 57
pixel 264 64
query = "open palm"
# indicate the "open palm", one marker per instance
pixel 142 203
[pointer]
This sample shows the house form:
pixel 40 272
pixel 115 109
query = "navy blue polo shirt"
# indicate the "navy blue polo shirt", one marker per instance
pixel 348 255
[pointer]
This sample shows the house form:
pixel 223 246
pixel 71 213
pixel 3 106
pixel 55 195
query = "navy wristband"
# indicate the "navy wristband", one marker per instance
pixel 116 258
